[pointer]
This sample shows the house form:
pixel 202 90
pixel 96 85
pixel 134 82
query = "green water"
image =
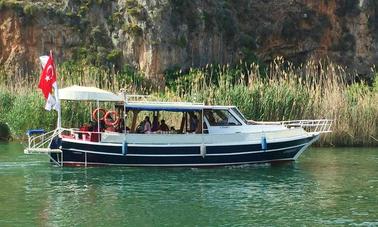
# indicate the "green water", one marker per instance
pixel 325 187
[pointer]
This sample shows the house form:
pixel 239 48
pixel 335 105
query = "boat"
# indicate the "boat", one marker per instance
pixel 206 135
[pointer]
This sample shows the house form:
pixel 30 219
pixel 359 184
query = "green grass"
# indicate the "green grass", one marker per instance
pixel 281 92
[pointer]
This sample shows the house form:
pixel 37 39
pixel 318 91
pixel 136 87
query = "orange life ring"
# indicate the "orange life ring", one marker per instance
pixel 108 122
pixel 102 112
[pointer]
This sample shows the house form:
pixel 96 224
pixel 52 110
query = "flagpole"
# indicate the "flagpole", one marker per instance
pixel 59 120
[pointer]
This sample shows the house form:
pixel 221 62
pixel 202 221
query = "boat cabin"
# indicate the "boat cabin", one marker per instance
pixel 183 117
pixel 113 116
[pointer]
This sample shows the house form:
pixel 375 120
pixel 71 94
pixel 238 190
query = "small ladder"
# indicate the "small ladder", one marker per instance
pixel 40 142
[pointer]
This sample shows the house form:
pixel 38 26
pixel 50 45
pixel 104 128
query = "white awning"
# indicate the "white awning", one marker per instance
pixel 166 106
pixel 87 94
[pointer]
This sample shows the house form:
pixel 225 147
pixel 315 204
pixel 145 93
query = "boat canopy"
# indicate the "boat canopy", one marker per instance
pixel 87 94
pixel 165 106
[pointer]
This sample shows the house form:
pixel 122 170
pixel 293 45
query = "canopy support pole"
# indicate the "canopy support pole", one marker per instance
pixel 98 117
pixel 91 110
pixel 59 109
pixel 124 112
pixel 59 125
pixel 203 146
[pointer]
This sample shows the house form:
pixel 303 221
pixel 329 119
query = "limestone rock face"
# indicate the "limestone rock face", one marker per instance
pixel 156 35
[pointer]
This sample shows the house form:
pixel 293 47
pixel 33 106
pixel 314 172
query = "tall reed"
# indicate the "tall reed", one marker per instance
pixel 279 91
pixel 286 92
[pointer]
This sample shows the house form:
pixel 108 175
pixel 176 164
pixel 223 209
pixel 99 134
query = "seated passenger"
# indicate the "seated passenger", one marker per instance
pixel 211 119
pixel 163 126
pixel 147 125
pixel 98 127
pixel 110 129
pixel 90 126
pixel 140 127
pixel 83 128
pixel 155 124
pixel 121 126
pixel 193 123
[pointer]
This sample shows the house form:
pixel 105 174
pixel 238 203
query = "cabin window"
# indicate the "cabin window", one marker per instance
pixel 220 117
pixel 240 115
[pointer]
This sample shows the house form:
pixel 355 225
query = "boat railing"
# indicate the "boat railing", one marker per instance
pixel 39 142
pixel 135 98
pixel 149 99
pixel 311 126
pixel 169 103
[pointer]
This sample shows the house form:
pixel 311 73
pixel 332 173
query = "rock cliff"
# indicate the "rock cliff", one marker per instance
pixel 156 35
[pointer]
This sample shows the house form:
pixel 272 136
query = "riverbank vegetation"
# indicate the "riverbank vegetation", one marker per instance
pixel 274 92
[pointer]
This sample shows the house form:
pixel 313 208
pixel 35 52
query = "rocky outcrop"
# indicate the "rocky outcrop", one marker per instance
pixel 156 35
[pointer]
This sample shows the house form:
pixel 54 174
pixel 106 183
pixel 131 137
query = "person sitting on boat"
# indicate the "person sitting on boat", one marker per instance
pixel 110 129
pixel 155 124
pixel 121 126
pixel 210 117
pixel 140 127
pixel 173 130
pixel 163 126
pixel 193 122
pixel 98 127
pixel 147 125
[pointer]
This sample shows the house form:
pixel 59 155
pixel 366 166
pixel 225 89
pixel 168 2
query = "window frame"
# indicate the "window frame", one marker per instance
pixel 239 114
pixel 229 114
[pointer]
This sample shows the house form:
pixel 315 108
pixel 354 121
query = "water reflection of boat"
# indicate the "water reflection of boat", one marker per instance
pixel 205 136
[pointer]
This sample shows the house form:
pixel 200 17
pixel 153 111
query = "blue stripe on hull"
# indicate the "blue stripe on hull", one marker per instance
pixel 253 147
pixel 164 150
pixel 185 156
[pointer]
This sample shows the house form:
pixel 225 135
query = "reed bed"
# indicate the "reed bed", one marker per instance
pixel 278 91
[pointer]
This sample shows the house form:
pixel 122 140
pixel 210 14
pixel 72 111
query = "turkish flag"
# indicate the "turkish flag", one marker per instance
pixel 48 77
pixel 47 81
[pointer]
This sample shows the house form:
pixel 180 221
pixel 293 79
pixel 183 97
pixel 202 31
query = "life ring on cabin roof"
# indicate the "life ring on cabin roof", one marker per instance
pixel 109 120
pixel 101 112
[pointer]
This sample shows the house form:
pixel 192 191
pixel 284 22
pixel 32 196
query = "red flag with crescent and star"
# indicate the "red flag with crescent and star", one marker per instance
pixel 47 81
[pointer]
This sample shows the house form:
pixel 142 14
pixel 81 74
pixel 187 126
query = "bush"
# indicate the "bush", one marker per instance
pixel 4 132
pixel 6 103
pixel 134 29
pixel 30 10
pixel 114 57
pixel 98 36
pixel 28 112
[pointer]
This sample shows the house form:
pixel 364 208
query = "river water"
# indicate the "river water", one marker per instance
pixel 324 187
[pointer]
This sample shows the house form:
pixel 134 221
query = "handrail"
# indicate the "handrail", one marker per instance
pixel 144 99
pixel 311 126
pixel 168 103
pixel 43 140
pixel 41 144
